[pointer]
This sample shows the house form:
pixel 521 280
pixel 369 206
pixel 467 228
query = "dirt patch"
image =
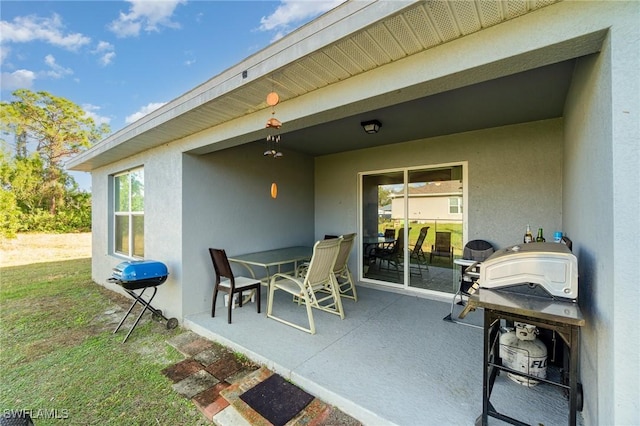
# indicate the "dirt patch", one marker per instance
pixel 37 248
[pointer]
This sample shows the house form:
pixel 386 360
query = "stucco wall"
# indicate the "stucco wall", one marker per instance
pixel 162 225
pixel 601 212
pixel 514 179
pixel 227 204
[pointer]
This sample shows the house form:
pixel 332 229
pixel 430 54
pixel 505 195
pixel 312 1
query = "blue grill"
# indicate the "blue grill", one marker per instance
pixel 141 274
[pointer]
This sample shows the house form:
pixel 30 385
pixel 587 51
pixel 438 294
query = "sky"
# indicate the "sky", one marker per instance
pixel 120 60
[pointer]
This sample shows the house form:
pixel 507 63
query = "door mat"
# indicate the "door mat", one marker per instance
pixel 313 414
pixel 277 400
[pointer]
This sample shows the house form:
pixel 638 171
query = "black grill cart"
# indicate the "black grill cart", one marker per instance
pixel 141 275
pixel 561 316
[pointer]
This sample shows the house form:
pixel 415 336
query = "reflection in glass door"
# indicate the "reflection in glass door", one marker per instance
pixel 382 232
pixel 412 226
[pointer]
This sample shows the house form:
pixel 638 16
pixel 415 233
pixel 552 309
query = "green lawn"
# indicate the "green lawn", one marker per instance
pixel 60 358
pixel 454 228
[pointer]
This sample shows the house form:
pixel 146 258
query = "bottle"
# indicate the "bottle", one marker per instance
pixel 540 238
pixel 528 236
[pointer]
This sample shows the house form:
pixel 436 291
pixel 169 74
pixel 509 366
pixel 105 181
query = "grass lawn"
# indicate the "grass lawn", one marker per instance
pixel 454 228
pixel 60 358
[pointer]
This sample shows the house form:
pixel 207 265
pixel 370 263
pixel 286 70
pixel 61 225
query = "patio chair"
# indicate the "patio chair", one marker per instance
pixel 390 238
pixel 476 251
pixel 302 268
pixel 230 284
pixel 308 288
pixel 417 253
pixel 442 246
pixel 394 254
pixel 346 285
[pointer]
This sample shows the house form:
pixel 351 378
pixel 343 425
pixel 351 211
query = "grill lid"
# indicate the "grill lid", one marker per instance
pixel 551 266
pixel 137 270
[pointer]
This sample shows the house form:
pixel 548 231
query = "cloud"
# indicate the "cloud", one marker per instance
pixel 56 71
pixel 103 46
pixel 106 52
pixel 145 15
pixel 4 53
pixel 190 59
pixel 19 79
pixel 24 29
pixel 290 14
pixel 92 112
pixel 147 109
pixel 107 58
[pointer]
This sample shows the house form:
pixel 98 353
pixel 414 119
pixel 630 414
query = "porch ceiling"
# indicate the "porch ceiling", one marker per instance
pixel 352 39
pixel 538 94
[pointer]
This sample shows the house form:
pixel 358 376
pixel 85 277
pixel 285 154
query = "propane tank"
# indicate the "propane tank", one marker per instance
pixel 522 351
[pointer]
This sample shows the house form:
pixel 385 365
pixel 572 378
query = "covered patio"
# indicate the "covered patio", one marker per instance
pixel 529 106
pixel 392 360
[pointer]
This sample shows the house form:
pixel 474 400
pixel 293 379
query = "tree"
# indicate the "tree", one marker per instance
pixel 384 195
pixel 57 129
pixel 37 194
pixel 9 211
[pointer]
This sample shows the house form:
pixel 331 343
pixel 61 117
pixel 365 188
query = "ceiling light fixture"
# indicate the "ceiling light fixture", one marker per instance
pixel 371 126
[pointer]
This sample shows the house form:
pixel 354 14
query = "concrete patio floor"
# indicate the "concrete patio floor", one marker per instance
pixel 392 360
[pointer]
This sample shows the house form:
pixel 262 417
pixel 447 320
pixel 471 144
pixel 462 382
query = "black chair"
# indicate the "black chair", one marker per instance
pixel 227 282
pixel 442 246
pixel 417 253
pixel 476 251
pixel 392 255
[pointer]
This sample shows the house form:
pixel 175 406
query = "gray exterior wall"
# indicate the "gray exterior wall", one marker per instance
pixel 162 222
pixel 514 179
pixel 227 204
pixel 600 210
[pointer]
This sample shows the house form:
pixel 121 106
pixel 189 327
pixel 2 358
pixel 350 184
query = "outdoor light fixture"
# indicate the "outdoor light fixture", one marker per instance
pixel 371 126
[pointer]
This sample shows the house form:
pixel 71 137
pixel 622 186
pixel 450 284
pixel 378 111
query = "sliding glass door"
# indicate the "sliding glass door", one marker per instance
pixel 412 226
pixel 382 254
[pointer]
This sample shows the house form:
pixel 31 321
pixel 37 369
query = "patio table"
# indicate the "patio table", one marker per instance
pixel 463 263
pixel 370 243
pixel 273 258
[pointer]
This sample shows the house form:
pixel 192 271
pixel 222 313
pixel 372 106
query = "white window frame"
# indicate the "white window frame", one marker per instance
pixel 130 214
pixel 457 205
pixel 405 285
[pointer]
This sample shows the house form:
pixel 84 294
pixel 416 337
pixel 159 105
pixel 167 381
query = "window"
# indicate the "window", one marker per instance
pixel 455 205
pixel 129 213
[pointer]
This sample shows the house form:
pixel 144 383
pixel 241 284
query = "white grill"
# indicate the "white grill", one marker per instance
pixel 549 266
